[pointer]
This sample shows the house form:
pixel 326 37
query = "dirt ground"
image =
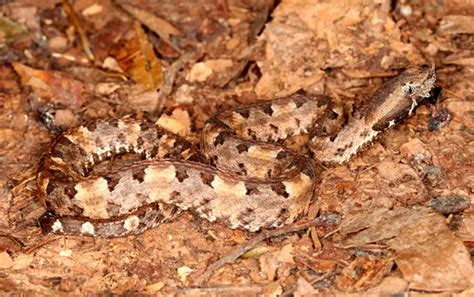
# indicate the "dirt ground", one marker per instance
pixel 397 218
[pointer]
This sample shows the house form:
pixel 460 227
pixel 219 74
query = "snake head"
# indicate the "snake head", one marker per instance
pixel 392 102
pixel 399 97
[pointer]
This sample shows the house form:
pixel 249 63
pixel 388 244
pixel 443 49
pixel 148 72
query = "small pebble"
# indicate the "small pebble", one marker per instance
pixel 449 204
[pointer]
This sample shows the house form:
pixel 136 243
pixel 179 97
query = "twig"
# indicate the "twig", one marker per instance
pixel 254 290
pixel 80 29
pixel 170 76
pixel 241 249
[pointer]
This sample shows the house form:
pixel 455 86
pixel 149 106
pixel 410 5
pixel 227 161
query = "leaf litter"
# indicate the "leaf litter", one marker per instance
pixel 397 218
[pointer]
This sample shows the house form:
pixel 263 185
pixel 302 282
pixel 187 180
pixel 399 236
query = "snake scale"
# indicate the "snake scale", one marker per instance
pixel 242 174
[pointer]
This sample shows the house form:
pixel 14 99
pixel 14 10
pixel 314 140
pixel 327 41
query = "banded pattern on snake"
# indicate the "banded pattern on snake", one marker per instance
pixel 242 175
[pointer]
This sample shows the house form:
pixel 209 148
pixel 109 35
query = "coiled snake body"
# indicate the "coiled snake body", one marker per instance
pixel 243 176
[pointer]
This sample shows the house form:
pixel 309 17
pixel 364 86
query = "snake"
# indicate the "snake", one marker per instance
pixel 242 174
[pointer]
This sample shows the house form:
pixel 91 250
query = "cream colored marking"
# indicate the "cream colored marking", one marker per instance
pixel 131 223
pixel 132 131
pixel 356 135
pixel 238 117
pixel 412 107
pixel 282 109
pixel 391 124
pixel 57 160
pixel 156 173
pixel 222 187
pixel 82 137
pixel 87 228
pixel 369 136
pixel 257 152
pixel 295 189
pixel 92 196
pixel 102 151
pixel 57 226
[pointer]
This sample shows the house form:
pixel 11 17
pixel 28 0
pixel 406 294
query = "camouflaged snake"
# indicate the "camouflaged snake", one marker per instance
pixel 242 175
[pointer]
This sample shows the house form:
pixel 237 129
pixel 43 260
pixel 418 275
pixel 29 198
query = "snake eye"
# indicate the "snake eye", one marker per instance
pixel 408 88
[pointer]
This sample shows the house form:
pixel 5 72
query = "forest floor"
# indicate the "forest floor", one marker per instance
pixel 397 218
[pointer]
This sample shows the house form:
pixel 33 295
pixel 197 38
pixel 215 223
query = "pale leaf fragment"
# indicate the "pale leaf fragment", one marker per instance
pixel 178 122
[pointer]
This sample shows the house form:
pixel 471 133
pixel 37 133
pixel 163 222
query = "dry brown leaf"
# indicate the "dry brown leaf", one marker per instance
pixel 286 254
pixel 9 29
pixel 156 24
pixel 429 255
pixel 307 36
pixel 456 24
pixel 464 58
pixel 52 86
pixel 466 229
pixel 363 273
pixel 389 286
pixel 137 58
pixel 5 260
pixel 303 288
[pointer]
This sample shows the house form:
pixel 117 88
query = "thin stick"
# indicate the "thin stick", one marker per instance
pixel 246 246
pixel 170 76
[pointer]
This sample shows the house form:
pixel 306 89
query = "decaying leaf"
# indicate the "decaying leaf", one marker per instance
pixel 254 253
pixel 9 29
pixel 363 272
pixel 158 25
pixel 52 86
pixel 428 254
pixel 137 58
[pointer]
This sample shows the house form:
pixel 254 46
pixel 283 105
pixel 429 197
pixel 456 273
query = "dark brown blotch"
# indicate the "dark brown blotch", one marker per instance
pixel 138 174
pixel 280 189
pixel 145 125
pixel 95 159
pixel 246 216
pixel 267 108
pixel 91 126
pixel 205 201
pixel 175 197
pixel 298 122
pixel 243 147
pixel 252 134
pixel 64 141
pixel 243 169
pixel 180 145
pixel 244 112
pixel 299 101
pixel 181 174
pixel 308 170
pixel 50 187
pixel 140 141
pixel 121 137
pixel 283 215
pixel 57 153
pixel 154 152
pixel 114 122
pixel 220 138
pixel 282 155
pixel 213 160
pixel 206 211
pixel 112 182
pixel 207 178
pixel 70 192
pixel 274 128
pixel 252 189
